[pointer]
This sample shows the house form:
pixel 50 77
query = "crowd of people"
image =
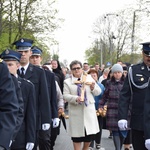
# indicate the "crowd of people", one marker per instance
pixel 34 97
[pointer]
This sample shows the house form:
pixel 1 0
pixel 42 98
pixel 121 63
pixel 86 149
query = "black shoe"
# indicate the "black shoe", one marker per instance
pixel 110 136
pixel 98 146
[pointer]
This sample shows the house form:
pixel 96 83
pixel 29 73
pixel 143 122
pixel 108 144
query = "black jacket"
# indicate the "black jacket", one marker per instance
pixel 134 101
pixel 28 128
pixel 9 106
pixel 37 76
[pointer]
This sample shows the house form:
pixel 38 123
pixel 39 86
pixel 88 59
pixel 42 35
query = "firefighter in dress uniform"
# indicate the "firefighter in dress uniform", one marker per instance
pixel 132 99
pixel 9 107
pixel 25 137
pixel 37 76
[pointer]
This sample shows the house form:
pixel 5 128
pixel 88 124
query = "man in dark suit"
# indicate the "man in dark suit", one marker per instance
pixel 25 137
pixel 132 100
pixel 36 59
pixel 9 107
pixel 37 76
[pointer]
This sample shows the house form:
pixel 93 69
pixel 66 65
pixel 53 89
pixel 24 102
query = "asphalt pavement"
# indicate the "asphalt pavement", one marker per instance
pixel 64 142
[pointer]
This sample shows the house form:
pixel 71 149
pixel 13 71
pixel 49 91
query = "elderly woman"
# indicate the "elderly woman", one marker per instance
pixel 79 92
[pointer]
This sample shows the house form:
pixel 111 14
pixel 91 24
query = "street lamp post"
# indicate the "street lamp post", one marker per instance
pixel 100 47
pixel 132 37
pixel 133 32
pixel 101 51
pixel 112 37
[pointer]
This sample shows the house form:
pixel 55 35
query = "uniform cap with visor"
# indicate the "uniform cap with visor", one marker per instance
pixel 10 55
pixel 23 44
pixel 36 51
pixel 146 48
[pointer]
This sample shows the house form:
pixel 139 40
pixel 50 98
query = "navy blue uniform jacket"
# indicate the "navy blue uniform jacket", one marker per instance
pixel 9 106
pixel 37 76
pixel 50 77
pixel 134 102
pixel 28 128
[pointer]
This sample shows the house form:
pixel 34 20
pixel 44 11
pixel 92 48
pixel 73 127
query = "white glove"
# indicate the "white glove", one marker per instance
pixel 29 146
pixel 45 126
pixel 10 143
pixel 56 122
pixel 122 124
pixel 147 144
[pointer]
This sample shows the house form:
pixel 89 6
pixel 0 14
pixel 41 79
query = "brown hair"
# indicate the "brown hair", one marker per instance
pixel 93 70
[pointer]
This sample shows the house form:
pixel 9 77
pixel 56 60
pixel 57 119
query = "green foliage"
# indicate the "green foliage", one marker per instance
pixel 28 19
pixel 133 59
pixel 3 42
pixel 55 56
pixel 94 55
pixel 91 56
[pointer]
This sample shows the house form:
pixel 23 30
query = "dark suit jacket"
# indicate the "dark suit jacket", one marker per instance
pixel 28 128
pixel 37 76
pixel 21 106
pixel 52 92
pixel 8 106
pixel 135 102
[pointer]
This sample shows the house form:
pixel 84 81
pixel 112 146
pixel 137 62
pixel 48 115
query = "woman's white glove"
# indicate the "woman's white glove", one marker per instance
pixel 29 146
pixel 122 124
pixel 147 144
pixel 45 126
pixel 56 122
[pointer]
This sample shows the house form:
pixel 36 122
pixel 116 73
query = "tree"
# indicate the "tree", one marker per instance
pixel 29 19
pixel 55 57
pixel 114 32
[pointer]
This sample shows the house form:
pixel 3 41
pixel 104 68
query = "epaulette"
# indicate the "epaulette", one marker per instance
pixel 130 77
pixel 1 60
pixel 26 80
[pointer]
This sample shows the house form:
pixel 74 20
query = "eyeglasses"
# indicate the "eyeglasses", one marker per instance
pixel 78 68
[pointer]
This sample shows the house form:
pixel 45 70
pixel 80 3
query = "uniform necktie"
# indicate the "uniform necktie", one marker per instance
pixel 22 72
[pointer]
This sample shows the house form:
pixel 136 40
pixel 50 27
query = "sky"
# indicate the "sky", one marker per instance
pixel 75 35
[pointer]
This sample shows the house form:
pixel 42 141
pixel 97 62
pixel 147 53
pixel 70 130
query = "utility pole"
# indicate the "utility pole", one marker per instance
pixel 133 31
pixel 100 47
pixel 101 51
pixel 132 38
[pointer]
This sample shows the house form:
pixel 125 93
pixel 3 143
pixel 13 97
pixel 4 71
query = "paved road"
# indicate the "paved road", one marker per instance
pixel 64 142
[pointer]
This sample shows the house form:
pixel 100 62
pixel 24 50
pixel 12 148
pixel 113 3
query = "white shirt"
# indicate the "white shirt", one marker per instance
pixel 25 68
